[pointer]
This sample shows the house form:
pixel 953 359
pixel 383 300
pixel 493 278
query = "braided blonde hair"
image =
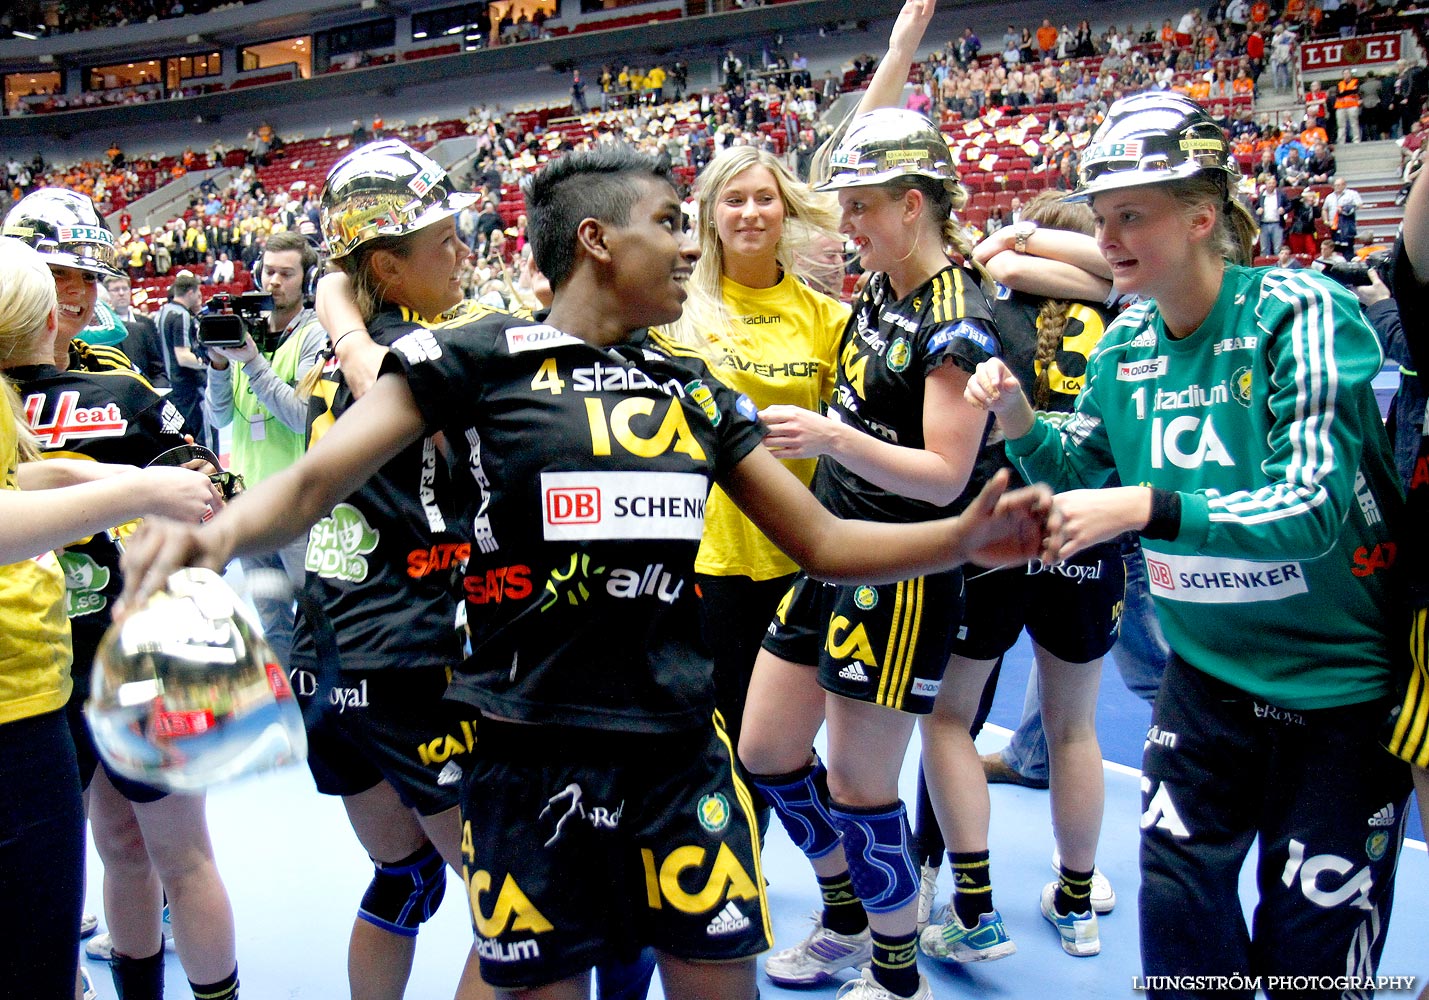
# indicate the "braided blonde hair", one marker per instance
pixel 1050 211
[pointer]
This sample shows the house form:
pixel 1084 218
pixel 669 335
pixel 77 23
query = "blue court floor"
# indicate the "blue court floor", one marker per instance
pixel 295 874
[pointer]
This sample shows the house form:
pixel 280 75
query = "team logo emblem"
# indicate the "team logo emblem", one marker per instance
pixel 1376 845
pixel 899 354
pixel 865 597
pixel 1240 386
pixel 701 394
pixel 713 812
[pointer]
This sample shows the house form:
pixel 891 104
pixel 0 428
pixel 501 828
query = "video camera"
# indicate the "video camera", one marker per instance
pixel 1355 273
pixel 227 319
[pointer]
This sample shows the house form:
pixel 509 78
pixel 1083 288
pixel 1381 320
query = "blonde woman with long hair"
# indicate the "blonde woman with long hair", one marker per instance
pixel 772 337
pixel 42 826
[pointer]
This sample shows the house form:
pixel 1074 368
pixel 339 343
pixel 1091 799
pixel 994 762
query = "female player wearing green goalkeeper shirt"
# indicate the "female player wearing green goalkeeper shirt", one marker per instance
pixel 1238 400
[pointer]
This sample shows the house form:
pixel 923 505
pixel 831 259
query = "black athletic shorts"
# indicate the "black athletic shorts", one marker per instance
pixel 581 846
pixel 1071 610
pixel 84 750
pixel 387 724
pixel 885 645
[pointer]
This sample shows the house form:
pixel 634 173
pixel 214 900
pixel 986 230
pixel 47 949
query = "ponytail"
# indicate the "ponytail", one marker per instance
pixel 1237 232
pixel 1243 232
pixel 1051 324
pixel 366 290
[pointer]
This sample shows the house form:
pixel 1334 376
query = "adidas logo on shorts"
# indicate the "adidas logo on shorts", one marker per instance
pixel 727 921
pixel 1384 816
pixel 451 774
pixel 854 672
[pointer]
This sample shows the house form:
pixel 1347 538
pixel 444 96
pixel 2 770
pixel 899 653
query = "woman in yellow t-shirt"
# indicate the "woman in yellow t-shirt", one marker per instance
pixel 770 336
pixel 42 826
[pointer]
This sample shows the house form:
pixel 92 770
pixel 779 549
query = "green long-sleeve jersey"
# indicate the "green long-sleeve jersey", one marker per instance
pixel 1264 421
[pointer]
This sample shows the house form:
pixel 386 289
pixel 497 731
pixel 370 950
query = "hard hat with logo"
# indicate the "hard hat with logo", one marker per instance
pixel 385 188
pixel 1153 138
pixel 885 144
pixel 65 228
pixel 187 692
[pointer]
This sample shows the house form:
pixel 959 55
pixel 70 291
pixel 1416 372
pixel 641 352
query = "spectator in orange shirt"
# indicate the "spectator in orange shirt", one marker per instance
pixel 1260 12
pixel 1243 85
pixel 1047 39
pixel 1168 33
pixel 1347 108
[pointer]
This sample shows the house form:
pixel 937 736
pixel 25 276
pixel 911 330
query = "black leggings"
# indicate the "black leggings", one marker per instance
pixel 735 612
pixel 41 858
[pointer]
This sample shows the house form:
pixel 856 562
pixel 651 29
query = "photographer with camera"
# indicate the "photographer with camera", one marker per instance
pixel 252 384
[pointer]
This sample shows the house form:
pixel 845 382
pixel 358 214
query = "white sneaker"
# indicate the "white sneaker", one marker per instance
pixel 865 987
pixel 101 946
pixel 819 956
pixel 1103 895
pixel 927 894
pixel 88 924
pixel 90 993
pixel 1078 931
pixel 947 939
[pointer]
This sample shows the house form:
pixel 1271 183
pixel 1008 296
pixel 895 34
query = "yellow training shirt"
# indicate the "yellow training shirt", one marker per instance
pixel 780 348
pixel 35 650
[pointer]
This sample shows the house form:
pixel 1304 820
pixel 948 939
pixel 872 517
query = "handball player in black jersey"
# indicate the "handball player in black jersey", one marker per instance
pixel 600 807
pixel 1070 611
pixel 895 446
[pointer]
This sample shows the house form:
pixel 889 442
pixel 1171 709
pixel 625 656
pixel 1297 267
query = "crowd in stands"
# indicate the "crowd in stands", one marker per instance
pixel 1016 113
pixel 111 181
pixel 36 17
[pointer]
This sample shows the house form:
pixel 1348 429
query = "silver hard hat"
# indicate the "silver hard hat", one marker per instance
pixel 385 188
pixel 65 228
pixel 885 144
pixel 1153 138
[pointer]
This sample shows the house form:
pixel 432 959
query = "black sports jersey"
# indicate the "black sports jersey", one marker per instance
pixel 1408 287
pixel 382 561
pixel 590 470
pixel 1016 314
pixel 106 413
pixel 104 359
pixel 890 346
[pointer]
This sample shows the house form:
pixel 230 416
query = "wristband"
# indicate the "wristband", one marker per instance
pixel 355 329
pixel 1164 524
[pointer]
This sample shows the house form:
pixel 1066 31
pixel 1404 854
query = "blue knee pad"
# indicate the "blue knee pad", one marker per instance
pixel 801 800
pixel 880 858
pixel 403 895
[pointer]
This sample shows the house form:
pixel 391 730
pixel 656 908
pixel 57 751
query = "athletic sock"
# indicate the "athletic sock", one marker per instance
pixel 843 910
pixel 972 885
pixel 1074 891
pixel 895 963
pixel 138 978
pixel 225 989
